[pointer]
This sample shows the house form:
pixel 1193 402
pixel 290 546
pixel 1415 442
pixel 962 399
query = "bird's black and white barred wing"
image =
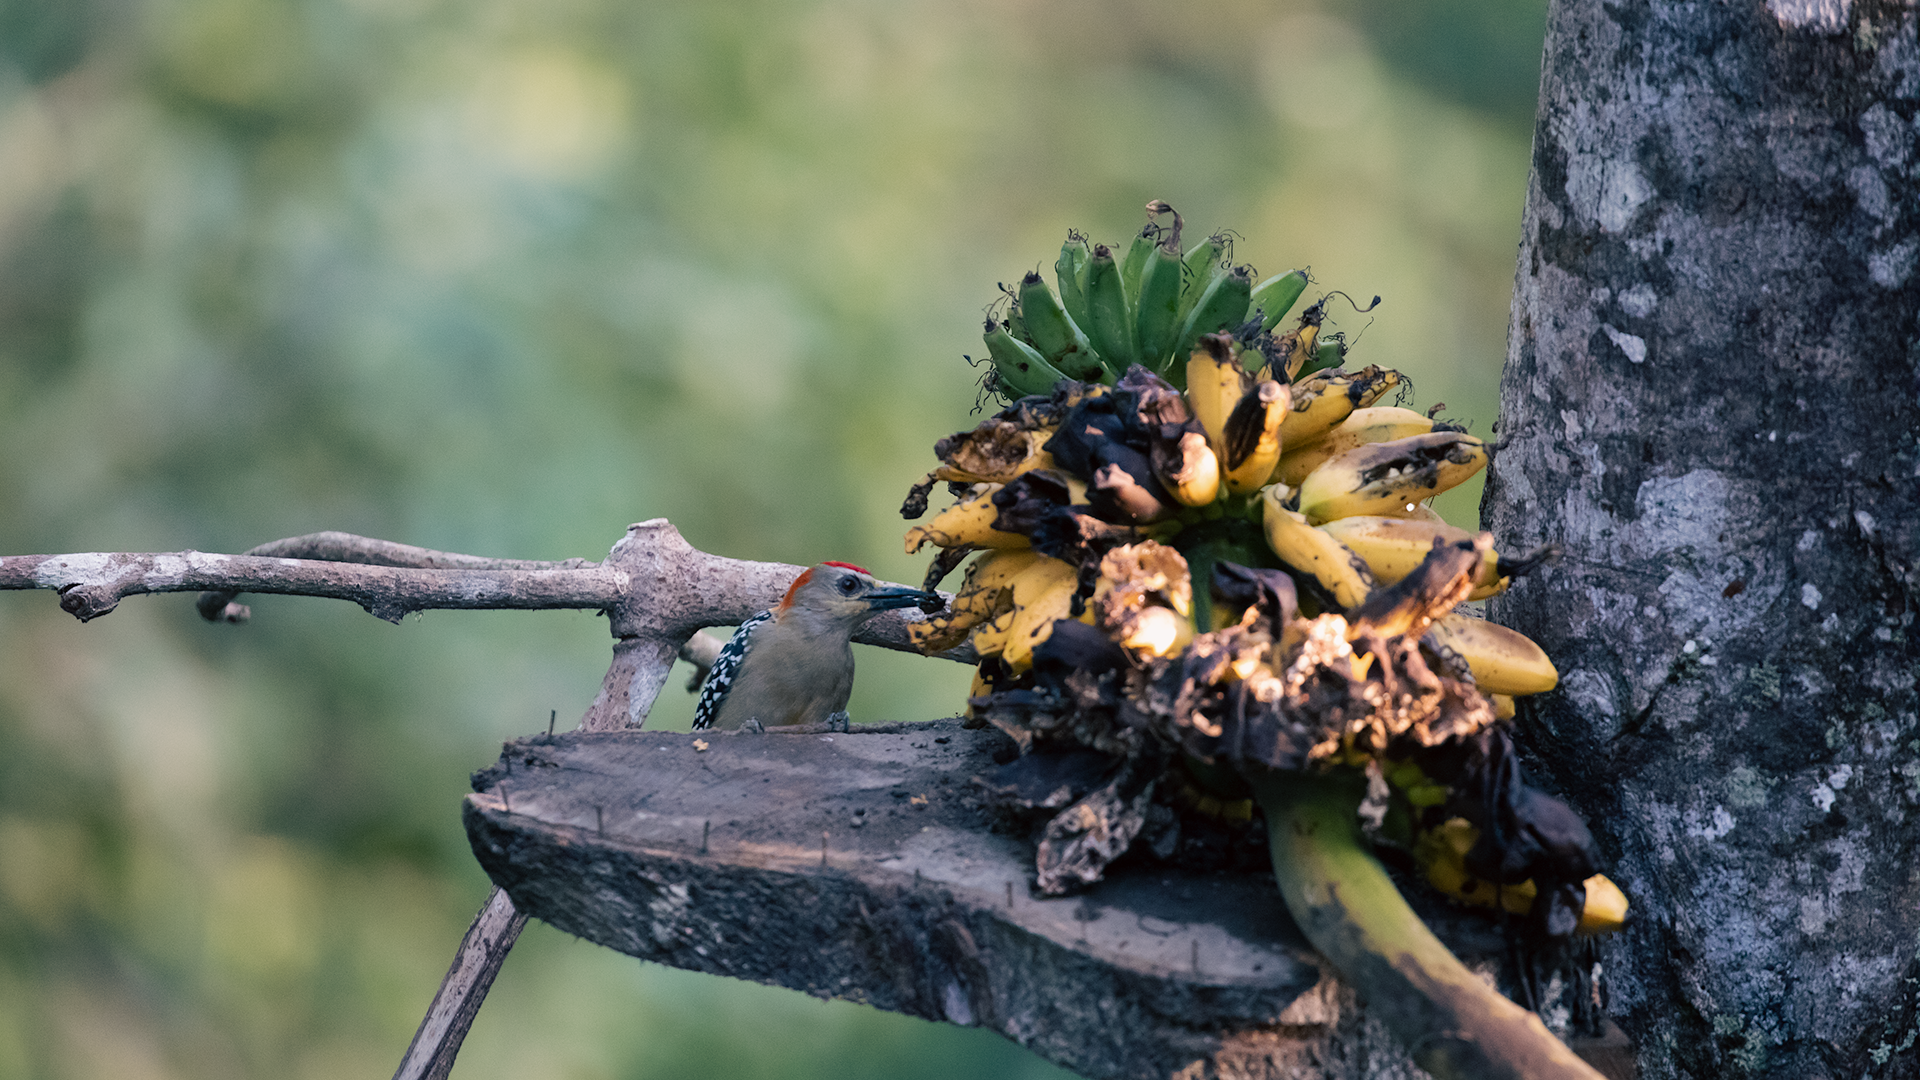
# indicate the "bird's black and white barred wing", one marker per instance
pixel 726 668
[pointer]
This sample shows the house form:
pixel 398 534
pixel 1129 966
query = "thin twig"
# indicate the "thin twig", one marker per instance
pixel 482 951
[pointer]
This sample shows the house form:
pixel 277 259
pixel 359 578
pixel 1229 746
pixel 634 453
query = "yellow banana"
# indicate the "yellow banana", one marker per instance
pixel 1342 575
pixel 1503 661
pixel 1415 511
pixel 974 465
pixel 1382 423
pixel 1324 401
pixel 983 594
pixel 1159 631
pixel 1040 596
pixel 990 637
pixel 1393 546
pixel 1442 853
pixel 1193 473
pixel 1215 384
pixel 967 522
pixel 978 689
pixel 1252 436
pixel 1302 350
pixel 1384 477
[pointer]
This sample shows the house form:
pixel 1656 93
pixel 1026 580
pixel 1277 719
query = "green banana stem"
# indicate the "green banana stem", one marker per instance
pixel 1455 1025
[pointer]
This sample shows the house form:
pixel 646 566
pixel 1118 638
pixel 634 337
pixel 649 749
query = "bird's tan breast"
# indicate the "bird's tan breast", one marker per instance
pixel 789 682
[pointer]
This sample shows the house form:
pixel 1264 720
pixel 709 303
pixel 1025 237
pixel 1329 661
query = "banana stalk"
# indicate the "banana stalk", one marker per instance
pixel 1456 1026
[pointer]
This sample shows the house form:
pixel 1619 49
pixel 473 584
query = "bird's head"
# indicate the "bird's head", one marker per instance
pixel 846 593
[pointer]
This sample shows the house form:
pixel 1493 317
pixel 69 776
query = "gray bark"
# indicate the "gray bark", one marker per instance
pixel 1711 402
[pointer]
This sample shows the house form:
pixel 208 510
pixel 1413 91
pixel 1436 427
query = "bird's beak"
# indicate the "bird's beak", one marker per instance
pixel 893 596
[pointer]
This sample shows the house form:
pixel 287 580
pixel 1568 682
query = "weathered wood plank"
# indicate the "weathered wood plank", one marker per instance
pixel 863 866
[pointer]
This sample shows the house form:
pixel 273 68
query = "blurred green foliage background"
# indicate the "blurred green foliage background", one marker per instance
pixel 500 277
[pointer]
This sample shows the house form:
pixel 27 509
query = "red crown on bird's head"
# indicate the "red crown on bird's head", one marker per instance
pixel 807 575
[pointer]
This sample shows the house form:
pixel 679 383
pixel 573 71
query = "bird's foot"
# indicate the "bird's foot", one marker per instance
pixel 753 724
pixel 839 721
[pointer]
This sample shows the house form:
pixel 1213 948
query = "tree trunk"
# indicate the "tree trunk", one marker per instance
pixel 1711 401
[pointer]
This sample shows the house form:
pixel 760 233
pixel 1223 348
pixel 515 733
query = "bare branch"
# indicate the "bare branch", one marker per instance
pixel 92 584
pixel 219 606
pixel 701 650
pixel 652 584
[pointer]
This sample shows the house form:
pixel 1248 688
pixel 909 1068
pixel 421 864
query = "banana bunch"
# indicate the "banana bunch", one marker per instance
pixel 1177 489
pixel 1206 551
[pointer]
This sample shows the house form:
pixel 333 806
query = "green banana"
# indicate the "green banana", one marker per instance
pixel 1018 364
pixel 1201 268
pixel 1059 339
pixel 1070 272
pixel 1156 317
pixel 1277 295
pixel 1330 353
pixel 1203 263
pixel 1143 242
pixel 1110 315
pixel 1223 307
pixel 1016 320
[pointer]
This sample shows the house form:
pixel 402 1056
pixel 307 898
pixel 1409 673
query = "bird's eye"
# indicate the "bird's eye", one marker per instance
pixel 849 585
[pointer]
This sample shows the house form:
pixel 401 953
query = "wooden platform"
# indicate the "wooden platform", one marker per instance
pixel 863 866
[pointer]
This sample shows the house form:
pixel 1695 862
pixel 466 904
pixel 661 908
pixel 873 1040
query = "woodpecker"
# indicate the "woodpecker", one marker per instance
pixel 794 664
